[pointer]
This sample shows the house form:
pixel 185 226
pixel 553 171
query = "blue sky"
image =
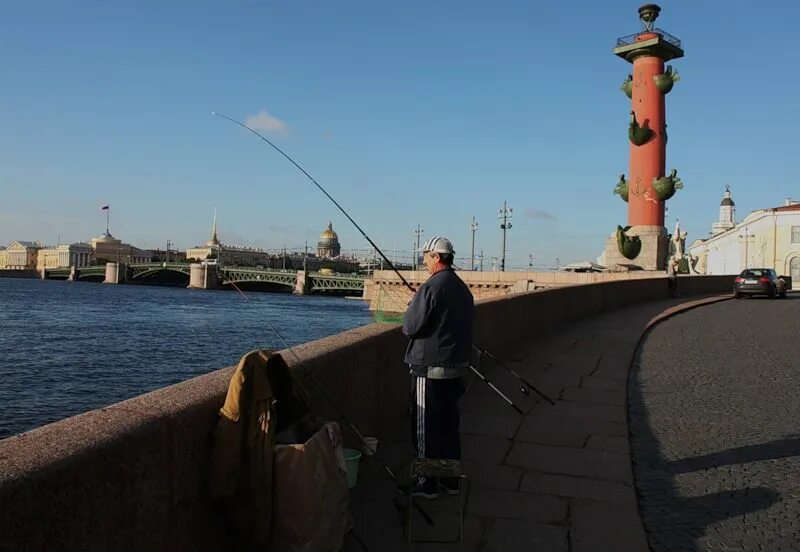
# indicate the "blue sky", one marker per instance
pixel 408 113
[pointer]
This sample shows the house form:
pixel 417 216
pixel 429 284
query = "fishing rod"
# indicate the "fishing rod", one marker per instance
pixel 310 375
pixel 492 386
pixel 364 234
pixel 525 388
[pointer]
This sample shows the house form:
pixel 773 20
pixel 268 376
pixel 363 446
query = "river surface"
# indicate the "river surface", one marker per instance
pixel 70 347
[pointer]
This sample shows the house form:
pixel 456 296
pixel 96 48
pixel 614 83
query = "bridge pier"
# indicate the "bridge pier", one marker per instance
pixel 115 273
pixel 201 276
pixel 302 287
pixel 73 274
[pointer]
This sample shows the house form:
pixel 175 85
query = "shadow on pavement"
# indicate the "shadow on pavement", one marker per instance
pixel 781 448
pixel 675 522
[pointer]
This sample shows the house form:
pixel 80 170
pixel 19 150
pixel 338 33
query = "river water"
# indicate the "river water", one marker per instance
pixel 70 347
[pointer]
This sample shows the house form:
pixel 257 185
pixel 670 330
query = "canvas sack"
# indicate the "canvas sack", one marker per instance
pixel 310 495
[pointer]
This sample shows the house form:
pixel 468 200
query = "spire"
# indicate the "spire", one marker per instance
pixel 214 227
pixel 727 214
pixel 213 241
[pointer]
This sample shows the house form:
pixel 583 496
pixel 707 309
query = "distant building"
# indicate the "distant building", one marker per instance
pixel 162 255
pixel 328 245
pixel 211 250
pixel 766 238
pixel 108 249
pixel 65 256
pixel 3 257
pixel 230 255
pixel 20 255
pixel 727 214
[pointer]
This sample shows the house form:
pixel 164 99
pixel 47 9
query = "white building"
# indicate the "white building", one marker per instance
pixel 64 256
pixel 767 238
pixel 727 214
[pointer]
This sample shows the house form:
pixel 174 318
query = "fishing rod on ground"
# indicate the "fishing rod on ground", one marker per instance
pixel 525 388
pixel 310 375
pixel 374 246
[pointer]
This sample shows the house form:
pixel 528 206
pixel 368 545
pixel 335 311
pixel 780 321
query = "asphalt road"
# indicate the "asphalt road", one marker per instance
pixel 714 406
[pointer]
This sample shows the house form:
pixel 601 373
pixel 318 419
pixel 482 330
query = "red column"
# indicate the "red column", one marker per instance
pixel 648 160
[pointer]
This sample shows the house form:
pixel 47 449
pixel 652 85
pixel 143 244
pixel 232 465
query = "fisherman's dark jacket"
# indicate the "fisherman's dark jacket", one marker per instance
pixel 439 323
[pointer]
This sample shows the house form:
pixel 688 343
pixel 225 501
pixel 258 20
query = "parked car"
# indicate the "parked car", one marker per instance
pixel 759 281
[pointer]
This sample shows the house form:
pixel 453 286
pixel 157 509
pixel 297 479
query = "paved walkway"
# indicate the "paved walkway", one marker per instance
pixel 715 430
pixel 556 479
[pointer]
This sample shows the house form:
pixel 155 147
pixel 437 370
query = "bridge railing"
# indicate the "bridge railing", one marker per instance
pixel 238 268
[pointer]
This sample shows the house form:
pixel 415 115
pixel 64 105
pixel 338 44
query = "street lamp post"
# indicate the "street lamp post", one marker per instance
pixel 503 215
pixel 418 231
pixel 473 227
pixel 746 238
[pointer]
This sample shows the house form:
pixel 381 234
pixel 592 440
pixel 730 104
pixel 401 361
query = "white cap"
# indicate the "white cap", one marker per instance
pixel 438 244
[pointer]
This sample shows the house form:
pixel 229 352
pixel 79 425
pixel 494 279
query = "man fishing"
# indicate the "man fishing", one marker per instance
pixel 439 323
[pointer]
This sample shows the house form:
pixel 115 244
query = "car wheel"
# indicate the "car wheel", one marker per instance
pixel 773 292
pixel 737 295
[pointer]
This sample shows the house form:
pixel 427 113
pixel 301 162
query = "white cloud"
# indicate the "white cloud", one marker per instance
pixel 266 122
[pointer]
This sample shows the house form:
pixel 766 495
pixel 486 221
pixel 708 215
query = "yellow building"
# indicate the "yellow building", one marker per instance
pixel 211 250
pixel 65 256
pixel 227 254
pixel 766 238
pixel 3 257
pixel 107 248
pixel 21 255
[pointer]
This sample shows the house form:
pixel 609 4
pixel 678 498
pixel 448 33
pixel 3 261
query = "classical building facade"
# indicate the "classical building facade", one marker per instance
pixel 20 255
pixel 65 256
pixel 328 245
pixel 109 249
pixel 768 238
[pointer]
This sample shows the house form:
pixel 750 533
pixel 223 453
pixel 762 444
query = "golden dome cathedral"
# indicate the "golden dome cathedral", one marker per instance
pixel 328 244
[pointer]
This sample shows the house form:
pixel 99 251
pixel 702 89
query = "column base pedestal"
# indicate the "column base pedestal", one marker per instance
pixel 652 256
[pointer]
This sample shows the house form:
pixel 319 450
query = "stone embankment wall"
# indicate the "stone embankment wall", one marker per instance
pixel 134 475
pixel 386 293
pixel 30 273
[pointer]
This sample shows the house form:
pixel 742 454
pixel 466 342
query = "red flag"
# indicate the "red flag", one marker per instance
pixel 104 208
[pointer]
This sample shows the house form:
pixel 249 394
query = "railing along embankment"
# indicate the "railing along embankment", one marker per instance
pixel 135 475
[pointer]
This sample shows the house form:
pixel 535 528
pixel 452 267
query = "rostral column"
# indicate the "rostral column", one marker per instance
pixel 643 242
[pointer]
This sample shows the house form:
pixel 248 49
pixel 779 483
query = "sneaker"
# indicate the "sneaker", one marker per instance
pixel 450 485
pixel 425 488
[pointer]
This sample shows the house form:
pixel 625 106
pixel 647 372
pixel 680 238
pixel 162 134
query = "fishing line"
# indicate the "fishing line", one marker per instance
pixel 377 249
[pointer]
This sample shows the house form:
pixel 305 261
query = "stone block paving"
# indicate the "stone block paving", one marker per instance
pixel 715 423
pixel 558 478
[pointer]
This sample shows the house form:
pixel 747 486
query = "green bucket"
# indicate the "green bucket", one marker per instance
pixel 351 459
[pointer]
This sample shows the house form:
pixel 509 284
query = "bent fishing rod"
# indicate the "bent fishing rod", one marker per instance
pixel 310 375
pixel 527 385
